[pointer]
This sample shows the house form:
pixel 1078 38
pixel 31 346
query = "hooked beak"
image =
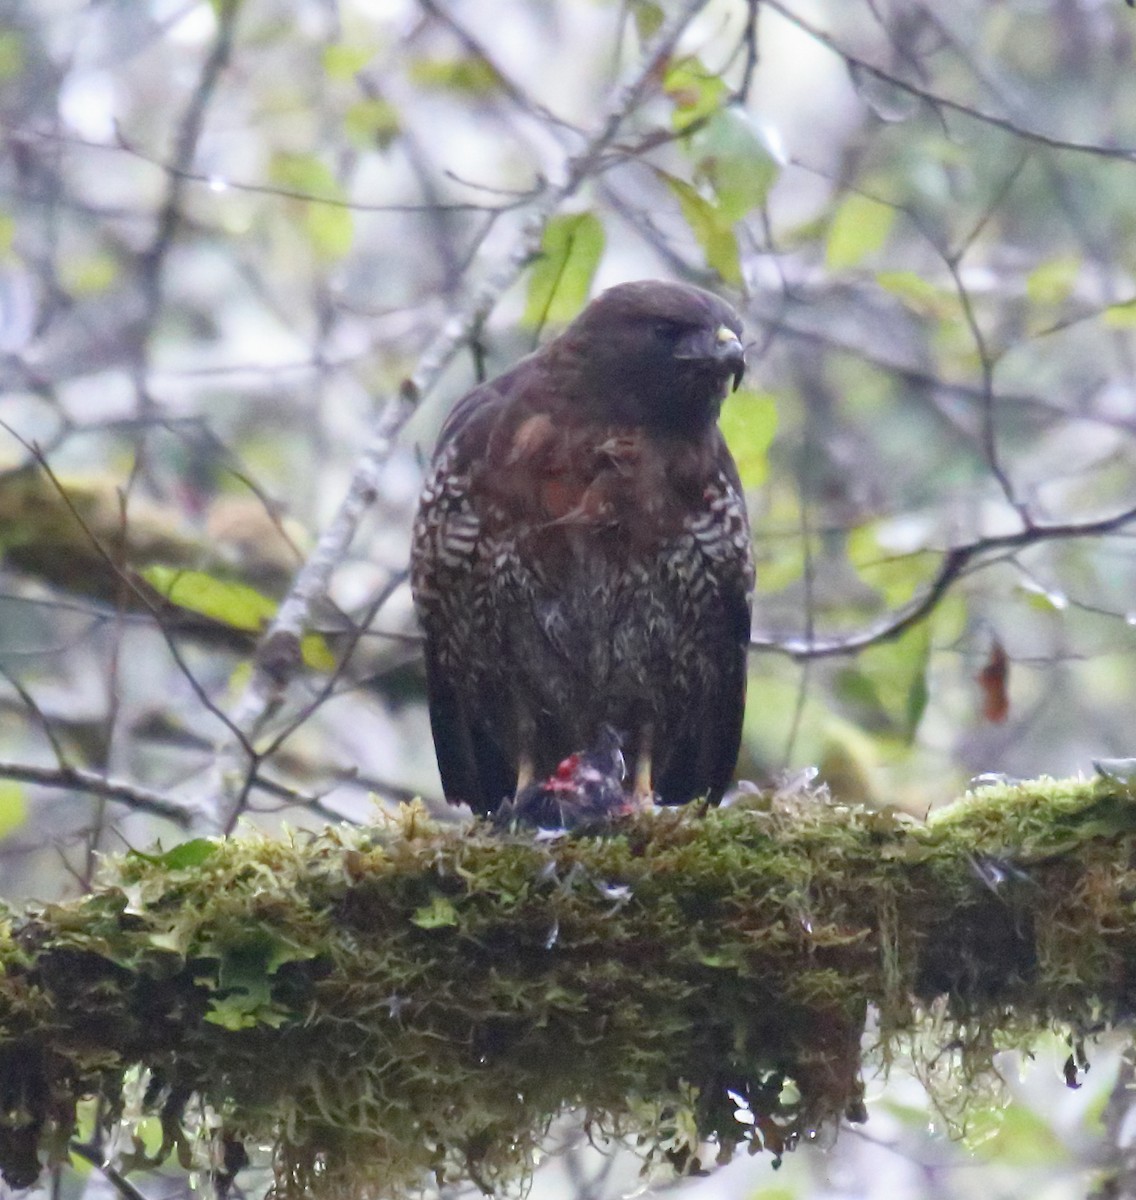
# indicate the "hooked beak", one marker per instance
pixel 729 349
pixel 723 348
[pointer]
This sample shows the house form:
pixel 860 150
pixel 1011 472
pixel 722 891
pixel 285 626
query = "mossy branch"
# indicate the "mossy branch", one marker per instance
pixel 423 999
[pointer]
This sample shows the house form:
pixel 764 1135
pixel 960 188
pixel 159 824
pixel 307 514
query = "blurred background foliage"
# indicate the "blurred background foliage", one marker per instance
pixel 228 229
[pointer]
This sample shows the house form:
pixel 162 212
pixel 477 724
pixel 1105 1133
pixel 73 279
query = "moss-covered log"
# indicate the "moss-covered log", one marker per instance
pixel 418 999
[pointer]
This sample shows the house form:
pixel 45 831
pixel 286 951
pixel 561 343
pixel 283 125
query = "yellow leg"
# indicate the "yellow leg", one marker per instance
pixel 526 740
pixel 526 771
pixel 643 792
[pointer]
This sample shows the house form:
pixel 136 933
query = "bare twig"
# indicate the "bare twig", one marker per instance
pixel 1120 153
pixel 986 360
pixel 151 262
pixel 188 135
pixel 956 562
pixel 141 799
pixel 128 584
pixel 252 778
pixel 749 41
pixel 118 1181
pixel 122 145
pixel 40 716
pixel 78 779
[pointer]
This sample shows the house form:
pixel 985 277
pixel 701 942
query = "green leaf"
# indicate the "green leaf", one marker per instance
pixel 886 691
pixel 735 159
pixel 694 91
pixel 897 673
pixel 11 55
pixel 473 76
pixel 331 229
pixel 781 558
pixel 855 690
pixel 1013 1135
pixel 721 960
pixel 88 275
pixel 436 915
pixel 778 1192
pixel 239 1011
pixel 1122 315
pixel 233 604
pixel 920 295
pixel 648 18
pixel 255 957
pixel 245 976
pixel 328 223
pixel 1048 600
pixel 177 858
pixel 316 653
pixel 896 576
pixel 918 694
pixel 176 940
pixel 859 228
pixel 13 807
pixel 304 173
pixel 372 122
pixel 1053 281
pixel 562 276
pixel 345 62
pixel 712 229
pixel 749 423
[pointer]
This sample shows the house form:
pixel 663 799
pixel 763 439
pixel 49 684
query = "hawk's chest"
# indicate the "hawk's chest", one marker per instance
pixel 594 550
pixel 588 502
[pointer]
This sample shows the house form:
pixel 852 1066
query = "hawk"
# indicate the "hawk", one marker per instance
pixel 581 557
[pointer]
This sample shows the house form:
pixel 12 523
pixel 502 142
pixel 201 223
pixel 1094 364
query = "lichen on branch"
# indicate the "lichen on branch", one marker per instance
pixel 420 1000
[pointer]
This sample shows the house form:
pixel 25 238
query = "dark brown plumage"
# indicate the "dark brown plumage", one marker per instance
pixel 582 559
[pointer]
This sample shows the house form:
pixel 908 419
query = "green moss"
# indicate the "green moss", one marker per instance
pixel 413 1001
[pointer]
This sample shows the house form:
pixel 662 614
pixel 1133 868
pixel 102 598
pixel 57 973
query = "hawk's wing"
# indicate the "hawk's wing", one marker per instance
pixel 446 542
pixel 703 754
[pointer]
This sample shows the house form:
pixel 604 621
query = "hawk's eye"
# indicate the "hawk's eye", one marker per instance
pixel 666 331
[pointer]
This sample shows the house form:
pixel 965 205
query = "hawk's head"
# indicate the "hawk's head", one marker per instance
pixel 661 355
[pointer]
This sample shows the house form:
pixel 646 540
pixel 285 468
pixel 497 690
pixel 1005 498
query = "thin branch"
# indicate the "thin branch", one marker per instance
pixel 1000 196
pixel 752 53
pixel 122 145
pixel 140 799
pixel 1119 153
pixel 985 357
pixel 151 263
pixel 920 379
pixel 127 582
pixel 986 361
pixel 78 779
pixel 290 797
pixel 185 147
pixel 39 715
pixel 955 563
pixel 358 628
pixel 97 1159
pixel 278 659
